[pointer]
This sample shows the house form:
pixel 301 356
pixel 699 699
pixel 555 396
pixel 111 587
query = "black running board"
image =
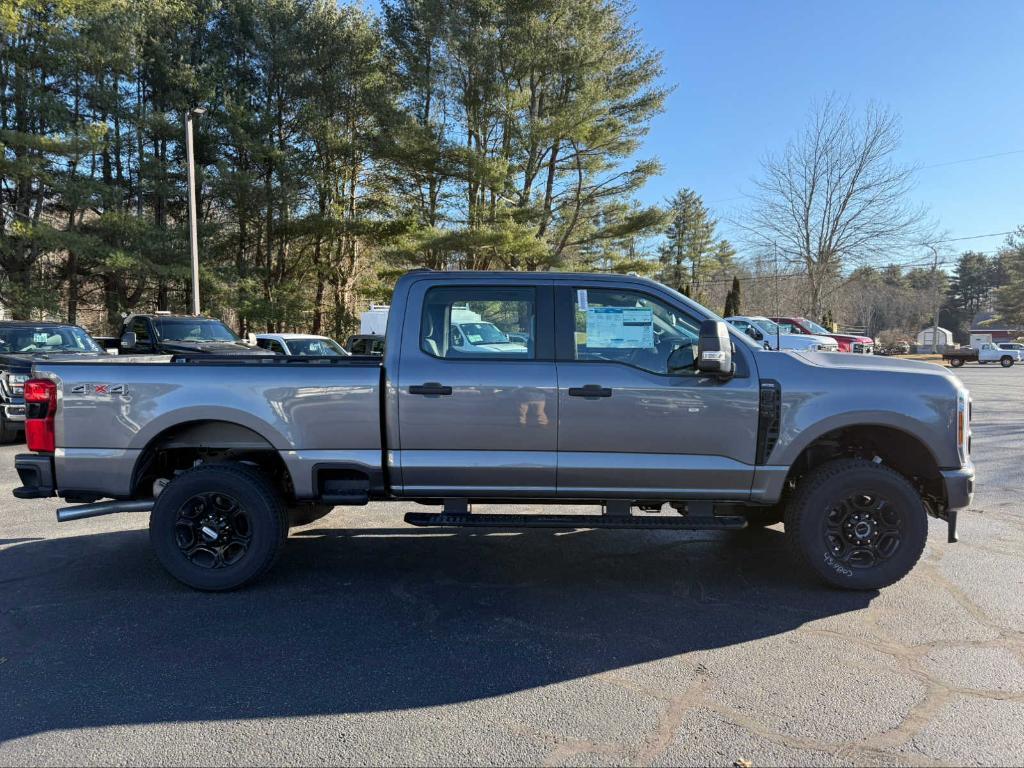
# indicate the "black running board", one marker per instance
pixel 697 523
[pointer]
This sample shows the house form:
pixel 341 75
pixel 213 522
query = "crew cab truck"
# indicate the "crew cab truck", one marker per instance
pixel 863 345
pixel 163 333
pixel 626 395
pixel 984 353
pixel 22 342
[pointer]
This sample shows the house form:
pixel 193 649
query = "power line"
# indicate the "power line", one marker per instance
pixel 920 168
pixel 970 237
pixel 973 159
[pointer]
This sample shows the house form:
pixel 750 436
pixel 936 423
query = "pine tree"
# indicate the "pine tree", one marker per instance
pixel 691 254
pixel 733 301
pixel 1010 297
pixel 522 120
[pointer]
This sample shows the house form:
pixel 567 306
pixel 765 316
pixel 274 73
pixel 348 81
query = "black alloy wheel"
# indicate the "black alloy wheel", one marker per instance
pixel 863 530
pixel 213 530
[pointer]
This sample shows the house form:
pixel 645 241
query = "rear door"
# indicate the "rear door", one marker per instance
pixel 635 418
pixel 477 416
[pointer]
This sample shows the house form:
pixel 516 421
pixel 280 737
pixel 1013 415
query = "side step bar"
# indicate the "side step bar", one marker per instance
pixel 696 523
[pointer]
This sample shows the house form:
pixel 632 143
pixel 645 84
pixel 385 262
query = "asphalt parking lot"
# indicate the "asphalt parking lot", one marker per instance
pixel 375 643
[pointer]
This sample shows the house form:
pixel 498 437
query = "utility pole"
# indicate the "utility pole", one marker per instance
pixel 938 298
pixel 193 224
pixel 778 313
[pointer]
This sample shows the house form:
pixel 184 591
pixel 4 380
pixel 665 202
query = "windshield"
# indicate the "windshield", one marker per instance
pixel 315 348
pixel 483 333
pixel 813 327
pixel 189 329
pixel 767 326
pixel 46 339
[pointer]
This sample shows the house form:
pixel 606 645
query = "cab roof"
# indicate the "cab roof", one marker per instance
pixel 287 336
pixel 36 324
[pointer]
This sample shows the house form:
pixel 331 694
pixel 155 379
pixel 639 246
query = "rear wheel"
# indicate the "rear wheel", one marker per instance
pixel 857 524
pixel 1006 361
pixel 956 362
pixel 218 526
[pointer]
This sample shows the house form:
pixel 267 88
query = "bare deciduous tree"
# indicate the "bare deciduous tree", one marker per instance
pixel 836 198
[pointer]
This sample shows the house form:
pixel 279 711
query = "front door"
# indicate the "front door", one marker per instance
pixel 477 394
pixel 635 418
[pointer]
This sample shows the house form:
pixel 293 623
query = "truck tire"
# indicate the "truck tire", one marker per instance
pixel 304 514
pixel 218 526
pixel 956 362
pixel 8 431
pixel 856 524
pixel 1006 361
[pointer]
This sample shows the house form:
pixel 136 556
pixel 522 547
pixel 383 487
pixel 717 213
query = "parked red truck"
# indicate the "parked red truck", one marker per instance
pixel 847 342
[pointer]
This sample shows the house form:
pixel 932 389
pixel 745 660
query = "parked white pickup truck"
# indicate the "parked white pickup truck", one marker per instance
pixel 985 353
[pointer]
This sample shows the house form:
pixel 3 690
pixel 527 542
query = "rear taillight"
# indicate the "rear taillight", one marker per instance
pixel 40 409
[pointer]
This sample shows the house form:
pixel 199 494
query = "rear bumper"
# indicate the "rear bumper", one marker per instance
pixel 36 473
pixel 959 486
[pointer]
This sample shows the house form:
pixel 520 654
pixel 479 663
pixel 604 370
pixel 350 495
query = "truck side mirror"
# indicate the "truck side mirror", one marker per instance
pixel 714 352
pixel 250 339
pixel 755 334
pixel 129 340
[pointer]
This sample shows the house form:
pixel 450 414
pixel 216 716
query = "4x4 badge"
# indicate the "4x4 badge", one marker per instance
pixel 99 389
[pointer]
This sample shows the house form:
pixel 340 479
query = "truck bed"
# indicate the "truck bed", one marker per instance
pixel 311 410
pixel 964 353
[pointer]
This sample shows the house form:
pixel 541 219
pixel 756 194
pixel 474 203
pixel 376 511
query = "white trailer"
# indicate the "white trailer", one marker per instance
pixel 374 321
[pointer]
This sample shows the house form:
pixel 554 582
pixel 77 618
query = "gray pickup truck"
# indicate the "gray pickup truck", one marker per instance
pixel 617 392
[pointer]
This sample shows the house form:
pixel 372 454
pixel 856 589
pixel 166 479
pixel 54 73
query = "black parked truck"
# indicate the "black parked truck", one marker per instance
pixel 163 333
pixel 23 342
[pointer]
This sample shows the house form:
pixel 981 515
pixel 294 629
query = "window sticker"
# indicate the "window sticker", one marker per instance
pixel 581 299
pixel 40 338
pixel 620 328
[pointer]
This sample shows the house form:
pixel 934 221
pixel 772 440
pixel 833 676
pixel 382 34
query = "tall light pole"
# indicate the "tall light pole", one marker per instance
pixel 193 224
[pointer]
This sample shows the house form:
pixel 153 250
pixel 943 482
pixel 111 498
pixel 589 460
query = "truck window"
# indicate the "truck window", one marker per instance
pixel 141 329
pixel 479 323
pixel 270 344
pixel 635 329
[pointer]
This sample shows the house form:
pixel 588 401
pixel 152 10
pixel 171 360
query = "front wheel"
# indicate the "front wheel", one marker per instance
pixel 856 524
pixel 956 362
pixel 1006 361
pixel 218 526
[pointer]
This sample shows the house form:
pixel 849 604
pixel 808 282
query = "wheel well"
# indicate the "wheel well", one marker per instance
pixel 895 448
pixel 183 446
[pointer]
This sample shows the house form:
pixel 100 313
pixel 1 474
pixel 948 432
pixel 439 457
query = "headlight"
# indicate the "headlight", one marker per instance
pixel 16 382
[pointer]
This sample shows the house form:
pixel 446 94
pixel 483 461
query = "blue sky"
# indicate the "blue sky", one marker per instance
pixel 746 74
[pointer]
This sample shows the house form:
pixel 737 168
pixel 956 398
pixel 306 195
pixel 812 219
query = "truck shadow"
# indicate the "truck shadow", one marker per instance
pixel 93 633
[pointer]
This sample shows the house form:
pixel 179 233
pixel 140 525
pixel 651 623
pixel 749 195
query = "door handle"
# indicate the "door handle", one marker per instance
pixel 430 388
pixel 590 390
